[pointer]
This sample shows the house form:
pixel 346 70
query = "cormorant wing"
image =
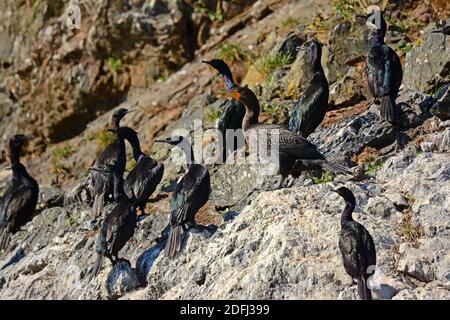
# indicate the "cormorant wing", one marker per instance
pixel 185 192
pixel 116 219
pixel 18 199
pixel 357 248
pixel 107 157
pixel 294 144
pixel 311 106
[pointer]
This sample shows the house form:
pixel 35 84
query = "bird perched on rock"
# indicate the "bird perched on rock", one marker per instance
pixel 233 113
pixel 19 201
pixel 118 226
pixel 310 109
pixel 292 151
pixel 384 72
pixel 356 246
pixel 143 179
pixel 191 193
pixel 114 155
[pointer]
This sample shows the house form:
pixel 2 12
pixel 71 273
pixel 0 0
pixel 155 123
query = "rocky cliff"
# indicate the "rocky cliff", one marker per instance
pixel 61 85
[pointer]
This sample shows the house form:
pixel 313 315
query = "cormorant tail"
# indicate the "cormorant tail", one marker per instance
pixel 173 244
pixel 363 291
pixel 99 202
pixel 5 237
pixel 97 267
pixel 387 109
pixel 335 168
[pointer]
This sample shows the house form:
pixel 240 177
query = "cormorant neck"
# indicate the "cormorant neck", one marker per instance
pixel 316 64
pixel 251 112
pixel 348 210
pixel 116 122
pixel 118 187
pixel 137 152
pixel 229 82
pixel 377 40
pixel 14 155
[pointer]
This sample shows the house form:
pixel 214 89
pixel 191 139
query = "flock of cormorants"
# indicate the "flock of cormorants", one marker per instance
pixel 296 154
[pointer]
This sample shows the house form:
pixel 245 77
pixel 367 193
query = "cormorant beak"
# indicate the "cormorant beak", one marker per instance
pixel 207 62
pixel 234 94
pixel 168 140
pixel 129 111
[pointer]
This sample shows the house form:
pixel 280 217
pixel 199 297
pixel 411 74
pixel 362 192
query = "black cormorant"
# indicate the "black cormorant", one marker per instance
pixel 310 110
pixel 19 201
pixel 445 30
pixel 142 181
pixel 384 72
pixel 113 155
pixel 118 226
pixel 294 151
pixel 356 246
pixel 233 113
pixel 191 193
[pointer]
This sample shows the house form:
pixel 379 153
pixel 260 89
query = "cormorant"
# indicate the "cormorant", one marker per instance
pixel 384 72
pixel 310 110
pixel 142 181
pixel 191 193
pixel 445 30
pixel 294 151
pixel 356 245
pixel 19 201
pixel 113 155
pixel 232 115
pixel 118 226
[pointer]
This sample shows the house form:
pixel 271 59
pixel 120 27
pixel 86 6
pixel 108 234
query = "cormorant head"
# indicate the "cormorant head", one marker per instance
pixel 346 194
pixel 174 140
pixel 120 113
pixel 17 141
pixel 224 70
pixel 377 32
pixel 245 96
pixel 313 50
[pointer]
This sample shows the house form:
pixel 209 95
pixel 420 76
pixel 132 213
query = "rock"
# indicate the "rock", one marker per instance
pixel 351 136
pixel 289 45
pixel 415 108
pixel 380 207
pixel 121 279
pixel 79 194
pixel 427 263
pixel 50 197
pixel 428 66
pixel 441 108
pixel 347 90
pixel 397 199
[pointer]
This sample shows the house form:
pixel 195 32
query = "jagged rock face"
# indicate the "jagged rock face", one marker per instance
pixel 428 66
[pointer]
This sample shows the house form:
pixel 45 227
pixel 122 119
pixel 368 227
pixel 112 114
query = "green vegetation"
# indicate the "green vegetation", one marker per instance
pixel 346 9
pixel 435 90
pixel 374 165
pixel 270 63
pixel 232 53
pixel 271 110
pixel 213 15
pixel 62 153
pixel 212 115
pixel 105 138
pixel 409 230
pixel 115 63
pixel 405 47
pixel 327 176
pixel 132 164
pixel 290 22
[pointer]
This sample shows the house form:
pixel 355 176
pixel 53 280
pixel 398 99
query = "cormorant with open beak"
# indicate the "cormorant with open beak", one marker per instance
pixel 114 155
pixel 310 110
pixel 191 193
pixel 19 201
pixel 356 246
